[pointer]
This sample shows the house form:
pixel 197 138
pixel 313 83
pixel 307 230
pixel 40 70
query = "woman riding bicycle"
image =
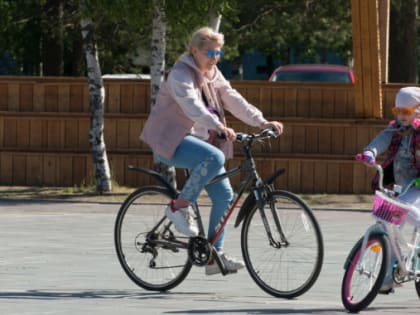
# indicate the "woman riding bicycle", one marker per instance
pixel 182 131
pixel 401 143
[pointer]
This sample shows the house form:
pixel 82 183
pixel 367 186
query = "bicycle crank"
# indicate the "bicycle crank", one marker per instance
pixel 199 251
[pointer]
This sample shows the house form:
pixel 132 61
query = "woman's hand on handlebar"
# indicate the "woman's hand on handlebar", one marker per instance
pixel 275 125
pixel 228 133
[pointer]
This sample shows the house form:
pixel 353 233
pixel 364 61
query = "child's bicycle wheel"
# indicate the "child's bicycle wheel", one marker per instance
pixel 365 275
pixel 417 285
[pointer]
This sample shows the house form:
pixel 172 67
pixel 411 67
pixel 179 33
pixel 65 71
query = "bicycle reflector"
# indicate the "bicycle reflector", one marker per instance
pixel 376 248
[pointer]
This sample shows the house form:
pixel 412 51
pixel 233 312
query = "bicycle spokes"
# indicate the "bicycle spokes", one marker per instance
pixel 149 249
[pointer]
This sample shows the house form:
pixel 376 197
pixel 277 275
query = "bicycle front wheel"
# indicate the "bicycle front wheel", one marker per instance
pixel 364 275
pixel 151 252
pixel 287 263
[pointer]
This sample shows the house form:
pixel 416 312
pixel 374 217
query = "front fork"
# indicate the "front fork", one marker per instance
pixel 375 228
pixel 261 194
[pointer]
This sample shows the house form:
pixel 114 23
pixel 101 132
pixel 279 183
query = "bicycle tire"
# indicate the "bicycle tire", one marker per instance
pixel 359 287
pixel 417 285
pixel 140 213
pixel 288 271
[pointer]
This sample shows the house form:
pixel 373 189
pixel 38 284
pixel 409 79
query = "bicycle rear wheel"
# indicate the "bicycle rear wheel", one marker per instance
pixel 151 252
pixel 365 275
pixel 285 271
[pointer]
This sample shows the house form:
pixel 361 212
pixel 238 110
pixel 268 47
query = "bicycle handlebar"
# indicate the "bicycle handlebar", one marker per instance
pixel 381 176
pixel 266 133
pixel 381 180
pixel 242 137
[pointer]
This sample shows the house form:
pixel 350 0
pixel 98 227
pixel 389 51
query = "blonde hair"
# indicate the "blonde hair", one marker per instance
pixel 204 35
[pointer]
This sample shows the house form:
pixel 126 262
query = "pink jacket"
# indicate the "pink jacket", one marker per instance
pixel 180 109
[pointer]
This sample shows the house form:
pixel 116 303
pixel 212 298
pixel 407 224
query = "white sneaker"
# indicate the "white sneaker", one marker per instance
pixel 182 220
pixel 231 264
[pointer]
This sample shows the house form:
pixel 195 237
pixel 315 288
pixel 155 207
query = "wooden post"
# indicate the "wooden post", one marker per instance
pixel 367 59
pixel 384 10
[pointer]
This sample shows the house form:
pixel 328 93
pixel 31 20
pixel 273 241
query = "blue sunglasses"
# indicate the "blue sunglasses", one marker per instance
pixel 212 53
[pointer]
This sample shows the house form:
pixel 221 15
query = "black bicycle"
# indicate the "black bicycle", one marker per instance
pixel 281 240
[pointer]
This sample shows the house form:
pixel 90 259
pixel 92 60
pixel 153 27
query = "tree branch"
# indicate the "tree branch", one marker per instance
pixel 263 12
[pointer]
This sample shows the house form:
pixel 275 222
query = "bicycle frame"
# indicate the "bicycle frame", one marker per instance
pixel 260 190
pixel 251 180
pixel 226 215
pixel 407 264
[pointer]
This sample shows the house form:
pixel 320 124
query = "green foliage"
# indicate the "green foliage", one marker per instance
pixel 308 26
pixel 181 24
pixel 20 33
pixel 121 31
pixel 124 26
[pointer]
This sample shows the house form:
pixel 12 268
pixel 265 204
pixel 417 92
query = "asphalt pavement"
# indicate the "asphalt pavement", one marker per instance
pixel 59 258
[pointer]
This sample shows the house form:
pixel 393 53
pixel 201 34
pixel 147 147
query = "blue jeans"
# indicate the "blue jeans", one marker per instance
pixel 205 161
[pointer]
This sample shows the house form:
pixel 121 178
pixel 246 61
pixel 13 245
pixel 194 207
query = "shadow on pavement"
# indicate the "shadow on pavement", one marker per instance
pixel 50 295
pixel 266 311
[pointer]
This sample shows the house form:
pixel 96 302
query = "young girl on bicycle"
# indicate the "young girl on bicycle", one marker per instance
pixel 182 131
pixel 400 142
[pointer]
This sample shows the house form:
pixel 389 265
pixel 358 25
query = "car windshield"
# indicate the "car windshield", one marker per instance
pixel 313 76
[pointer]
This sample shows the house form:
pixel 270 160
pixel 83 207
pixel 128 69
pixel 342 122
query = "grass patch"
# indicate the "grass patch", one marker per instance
pixel 120 193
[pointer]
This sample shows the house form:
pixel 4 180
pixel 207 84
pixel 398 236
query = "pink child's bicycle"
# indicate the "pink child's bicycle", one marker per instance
pixel 369 261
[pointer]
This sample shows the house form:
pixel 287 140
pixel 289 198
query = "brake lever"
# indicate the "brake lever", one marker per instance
pixel 272 133
pixel 268 133
pixel 241 137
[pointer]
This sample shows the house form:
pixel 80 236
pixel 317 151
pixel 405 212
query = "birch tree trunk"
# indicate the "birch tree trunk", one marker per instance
pixel 158 48
pixel 215 17
pixel 97 97
pixel 157 71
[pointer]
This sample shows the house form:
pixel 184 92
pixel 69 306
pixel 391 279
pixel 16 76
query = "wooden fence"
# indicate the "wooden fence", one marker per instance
pixel 44 126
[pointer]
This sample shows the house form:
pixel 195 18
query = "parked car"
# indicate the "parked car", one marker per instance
pixel 127 76
pixel 313 73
